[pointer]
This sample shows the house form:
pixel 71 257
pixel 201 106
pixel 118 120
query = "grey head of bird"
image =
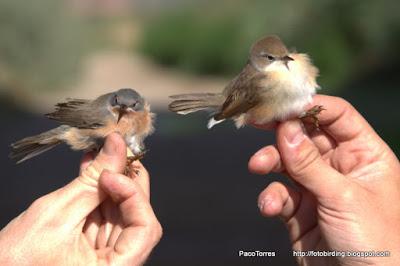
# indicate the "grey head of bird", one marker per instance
pixel 126 101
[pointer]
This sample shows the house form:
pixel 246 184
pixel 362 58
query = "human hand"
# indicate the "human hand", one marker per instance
pixel 101 218
pixel 348 186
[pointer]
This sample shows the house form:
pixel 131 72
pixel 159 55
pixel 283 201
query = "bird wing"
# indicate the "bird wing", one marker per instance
pixel 242 94
pixel 77 113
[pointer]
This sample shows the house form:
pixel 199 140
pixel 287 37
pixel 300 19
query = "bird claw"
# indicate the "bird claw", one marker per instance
pixel 129 169
pixel 130 159
pixel 313 114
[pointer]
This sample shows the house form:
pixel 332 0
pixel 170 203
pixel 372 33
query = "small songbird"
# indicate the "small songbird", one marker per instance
pixel 273 86
pixel 86 123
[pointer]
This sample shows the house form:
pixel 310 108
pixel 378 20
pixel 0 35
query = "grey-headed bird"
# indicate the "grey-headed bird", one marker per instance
pixel 86 123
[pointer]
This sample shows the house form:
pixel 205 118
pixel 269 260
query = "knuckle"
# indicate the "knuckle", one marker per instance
pixel 40 209
pixel 274 186
pixel 346 105
pixel 39 204
pixel 91 174
pixel 157 231
pixel 342 101
pixel 306 159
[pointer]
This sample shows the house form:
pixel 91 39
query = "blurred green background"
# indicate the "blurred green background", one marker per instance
pixel 61 47
pixel 53 49
pixel 43 42
pixel 40 44
pixel 345 38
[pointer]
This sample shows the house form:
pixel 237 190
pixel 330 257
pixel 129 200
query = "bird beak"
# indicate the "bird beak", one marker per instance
pixel 286 60
pixel 122 111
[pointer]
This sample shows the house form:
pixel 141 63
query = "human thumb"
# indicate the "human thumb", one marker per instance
pixel 303 161
pixel 111 157
pixel 81 196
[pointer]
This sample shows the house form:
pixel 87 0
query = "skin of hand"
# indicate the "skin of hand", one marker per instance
pixel 347 186
pixel 101 218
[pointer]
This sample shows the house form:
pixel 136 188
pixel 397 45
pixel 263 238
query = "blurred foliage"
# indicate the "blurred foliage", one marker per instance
pixel 345 38
pixel 41 43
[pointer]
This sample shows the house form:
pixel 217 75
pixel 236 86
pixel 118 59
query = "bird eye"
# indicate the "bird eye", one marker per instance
pixel 115 100
pixel 270 58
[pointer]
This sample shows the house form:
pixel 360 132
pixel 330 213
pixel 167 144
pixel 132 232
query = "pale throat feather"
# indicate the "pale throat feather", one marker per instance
pixel 292 89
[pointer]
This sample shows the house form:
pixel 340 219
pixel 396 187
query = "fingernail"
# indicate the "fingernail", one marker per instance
pixel 262 156
pixel 265 202
pixel 260 152
pixel 294 132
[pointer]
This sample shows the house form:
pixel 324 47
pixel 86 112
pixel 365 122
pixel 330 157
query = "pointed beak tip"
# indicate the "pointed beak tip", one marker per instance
pixel 121 112
pixel 286 60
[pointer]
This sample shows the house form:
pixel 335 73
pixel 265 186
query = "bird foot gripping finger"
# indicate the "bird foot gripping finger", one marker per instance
pixel 130 159
pixel 313 114
pixel 129 169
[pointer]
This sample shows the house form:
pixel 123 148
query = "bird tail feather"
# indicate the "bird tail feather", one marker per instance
pixel 188 103
pixel 29 147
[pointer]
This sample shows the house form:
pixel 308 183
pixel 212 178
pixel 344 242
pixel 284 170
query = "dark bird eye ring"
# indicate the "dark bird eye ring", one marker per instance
pixel 270 57
pixel 115 100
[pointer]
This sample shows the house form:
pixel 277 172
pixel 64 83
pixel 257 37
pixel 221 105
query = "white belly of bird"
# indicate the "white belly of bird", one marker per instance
pixel 294 88
pixel 134 144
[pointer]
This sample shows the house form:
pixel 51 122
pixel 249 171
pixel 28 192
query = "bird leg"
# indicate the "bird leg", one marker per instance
pixel 130 159
pixel 313 114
